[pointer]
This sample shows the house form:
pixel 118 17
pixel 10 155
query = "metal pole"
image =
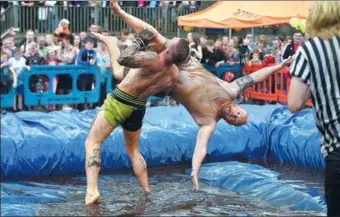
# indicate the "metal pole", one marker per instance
pixel 252 31
pixel 178 32
pixel 230 32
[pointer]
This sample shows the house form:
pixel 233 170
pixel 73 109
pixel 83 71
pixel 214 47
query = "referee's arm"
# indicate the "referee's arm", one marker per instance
pixel 299 85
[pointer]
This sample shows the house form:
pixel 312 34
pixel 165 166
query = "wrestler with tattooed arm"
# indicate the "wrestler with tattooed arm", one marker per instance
pixel 206 97
pixel 126 105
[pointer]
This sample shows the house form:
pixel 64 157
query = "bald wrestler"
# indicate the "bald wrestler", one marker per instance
pixel 126 105
pixel 206 97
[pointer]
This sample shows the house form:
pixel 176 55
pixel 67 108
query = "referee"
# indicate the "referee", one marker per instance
pixel 317 67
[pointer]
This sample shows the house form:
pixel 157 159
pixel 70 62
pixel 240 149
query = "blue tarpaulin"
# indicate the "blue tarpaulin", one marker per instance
pixel 36 144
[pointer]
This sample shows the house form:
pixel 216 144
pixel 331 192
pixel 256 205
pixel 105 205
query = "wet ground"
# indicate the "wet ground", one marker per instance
pixel 172 196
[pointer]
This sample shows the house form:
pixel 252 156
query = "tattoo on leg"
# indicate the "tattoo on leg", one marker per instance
pixel 94 160
pixel 243 83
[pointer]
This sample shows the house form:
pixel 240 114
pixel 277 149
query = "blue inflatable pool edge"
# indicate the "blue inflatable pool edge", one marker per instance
pixel 52 144
pixel 262 185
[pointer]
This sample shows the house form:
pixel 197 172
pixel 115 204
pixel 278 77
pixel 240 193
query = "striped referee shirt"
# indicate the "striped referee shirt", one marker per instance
pixel 317 63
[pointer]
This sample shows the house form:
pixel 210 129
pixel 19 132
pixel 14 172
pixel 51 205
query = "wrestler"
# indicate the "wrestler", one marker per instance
pixel 206 97
pixel 126 105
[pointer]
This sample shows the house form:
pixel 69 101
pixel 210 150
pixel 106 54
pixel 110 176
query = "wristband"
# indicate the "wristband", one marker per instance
pixel 140 43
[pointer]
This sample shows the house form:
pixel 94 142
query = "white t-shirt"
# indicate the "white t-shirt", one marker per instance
pixel 17 65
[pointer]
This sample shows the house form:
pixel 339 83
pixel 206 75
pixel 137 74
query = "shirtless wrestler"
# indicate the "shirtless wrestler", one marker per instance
pixel 126 105
pixel 206 97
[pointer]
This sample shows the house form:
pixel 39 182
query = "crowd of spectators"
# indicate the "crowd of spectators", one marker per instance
pixel 241 50
pixel 65 48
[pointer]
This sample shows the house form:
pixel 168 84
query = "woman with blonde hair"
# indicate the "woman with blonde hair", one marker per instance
pixel 316 69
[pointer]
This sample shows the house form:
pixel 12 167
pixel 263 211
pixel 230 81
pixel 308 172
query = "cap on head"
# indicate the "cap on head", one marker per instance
pixel 233 114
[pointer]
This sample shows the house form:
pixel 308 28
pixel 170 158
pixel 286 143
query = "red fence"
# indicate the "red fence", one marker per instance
pixel 273 89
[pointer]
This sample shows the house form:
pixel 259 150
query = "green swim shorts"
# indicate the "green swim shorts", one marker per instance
pixel 123 109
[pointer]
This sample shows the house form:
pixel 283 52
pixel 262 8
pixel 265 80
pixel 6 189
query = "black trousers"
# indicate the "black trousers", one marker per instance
pixel 332 183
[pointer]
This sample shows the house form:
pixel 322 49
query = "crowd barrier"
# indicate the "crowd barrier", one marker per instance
pixel 273 89
pixel 46 19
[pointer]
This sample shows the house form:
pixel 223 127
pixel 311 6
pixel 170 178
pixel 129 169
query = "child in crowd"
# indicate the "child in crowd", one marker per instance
pixel 256 57
pixel 9 77
pixel 52 61
pixel 18 64
pixel 231 56
pixel 269 58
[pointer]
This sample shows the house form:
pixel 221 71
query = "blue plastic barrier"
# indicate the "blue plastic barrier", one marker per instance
pixel 7 100
pixel 109 78
pixel 75 97
pixel 263 185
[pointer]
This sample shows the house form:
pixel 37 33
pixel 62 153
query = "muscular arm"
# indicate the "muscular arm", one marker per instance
pixel 133 58
pixel 137 25
pixel 203 136
pixel 241 84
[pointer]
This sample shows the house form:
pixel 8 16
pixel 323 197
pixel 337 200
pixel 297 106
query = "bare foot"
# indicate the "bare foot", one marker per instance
pixel 92 198
pixel 116 9
pixel 194 179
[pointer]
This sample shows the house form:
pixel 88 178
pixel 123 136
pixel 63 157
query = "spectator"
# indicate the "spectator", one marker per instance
pixel 124 42
pixel 67 54
pixel 252 45
pixel 29 37
pixel 260 48
pixel 218 44
pixel 77 43
pixel 93 28
pixel 232 56
pixel 18 64
pixel 87 56
pixel 9 77
pixel 50 42
pixel 7 47
pixel 51 61
pixel 213 55
pixel 83 36
pixel 264 41
pixel 62 28
pixel 33 55
pixel 307 37
pixel 189 37
pixel 225 41
pixel 256 57
pixel 244 50
pixel 269 58
pixel 292 47
pixel 195 47
pixel 204 40
pixel 277 50
pixel 42 46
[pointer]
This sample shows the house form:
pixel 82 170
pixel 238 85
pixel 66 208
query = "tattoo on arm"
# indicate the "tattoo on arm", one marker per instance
pixel 95 159
pixel 243 83
pixel 139 60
